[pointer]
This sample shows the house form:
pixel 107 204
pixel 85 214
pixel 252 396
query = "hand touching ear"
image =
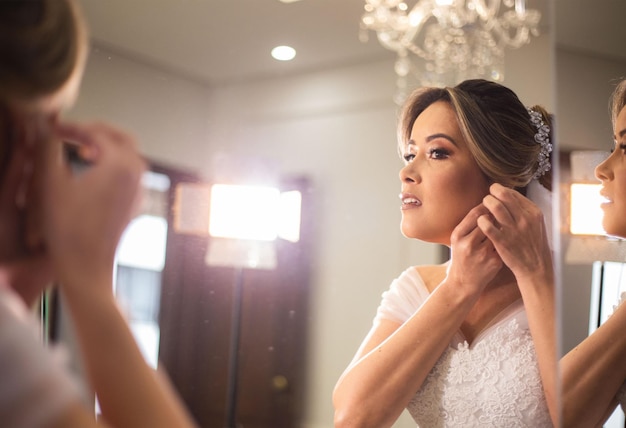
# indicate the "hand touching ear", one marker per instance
pixel 470 248
pixel 517 230
pixel 86 211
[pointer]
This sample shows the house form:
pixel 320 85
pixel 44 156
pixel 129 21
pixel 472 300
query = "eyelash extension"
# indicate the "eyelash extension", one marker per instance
pixel 439 152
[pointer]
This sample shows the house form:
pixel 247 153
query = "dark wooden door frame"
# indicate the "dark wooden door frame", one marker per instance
pixel 195 320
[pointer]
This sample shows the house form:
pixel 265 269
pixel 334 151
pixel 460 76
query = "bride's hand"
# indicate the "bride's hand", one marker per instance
pixel 517 230
pixel 474 261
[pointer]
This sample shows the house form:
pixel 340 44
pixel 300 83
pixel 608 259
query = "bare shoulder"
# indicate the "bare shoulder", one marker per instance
pixel 432 275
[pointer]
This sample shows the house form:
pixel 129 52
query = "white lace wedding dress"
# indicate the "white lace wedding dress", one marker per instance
pixel 494 382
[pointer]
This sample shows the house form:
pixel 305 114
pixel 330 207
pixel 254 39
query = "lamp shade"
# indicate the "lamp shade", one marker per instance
pixel 587 241
pixel 244 212
pixel 585 212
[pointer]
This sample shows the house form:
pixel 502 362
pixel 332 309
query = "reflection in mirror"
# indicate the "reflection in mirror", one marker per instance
pixel 139 265
pixel 195 81
pixel 590 60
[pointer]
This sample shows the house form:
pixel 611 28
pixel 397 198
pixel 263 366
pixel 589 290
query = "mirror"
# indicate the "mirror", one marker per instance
pixel 194 82
pixel 587 69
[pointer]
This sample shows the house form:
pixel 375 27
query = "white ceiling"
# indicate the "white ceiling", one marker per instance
pixel 222 41
pixel 217 41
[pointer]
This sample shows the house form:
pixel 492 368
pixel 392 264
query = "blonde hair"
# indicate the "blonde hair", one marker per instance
pixel 617 101
pixel 42 44
pixel 495 124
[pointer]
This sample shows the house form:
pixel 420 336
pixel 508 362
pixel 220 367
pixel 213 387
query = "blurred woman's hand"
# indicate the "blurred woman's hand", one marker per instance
pixel 85 211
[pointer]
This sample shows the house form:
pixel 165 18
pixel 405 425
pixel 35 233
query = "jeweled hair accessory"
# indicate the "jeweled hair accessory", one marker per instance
pixel 541 137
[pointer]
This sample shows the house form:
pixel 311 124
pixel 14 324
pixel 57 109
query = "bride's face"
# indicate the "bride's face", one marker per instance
pixel 612 173
pixel 441 181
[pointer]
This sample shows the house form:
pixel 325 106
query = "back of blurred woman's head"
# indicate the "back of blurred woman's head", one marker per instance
pixel 42 43
pixel 43 48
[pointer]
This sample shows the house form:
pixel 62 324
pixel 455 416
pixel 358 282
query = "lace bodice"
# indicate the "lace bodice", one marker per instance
pixel 494 382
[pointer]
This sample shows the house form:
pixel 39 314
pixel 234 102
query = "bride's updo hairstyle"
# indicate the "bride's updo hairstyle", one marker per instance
pixel 511 144
pixel 42 43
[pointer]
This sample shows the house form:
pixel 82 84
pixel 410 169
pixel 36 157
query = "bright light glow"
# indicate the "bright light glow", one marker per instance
pixel 143 243
pixel 252 217
pixel 283 53
pixel 191 208
pixel 147 336
pixel 289 215
pixel 236 252
pixel 155 181
pixel 244 212
pixel 585 212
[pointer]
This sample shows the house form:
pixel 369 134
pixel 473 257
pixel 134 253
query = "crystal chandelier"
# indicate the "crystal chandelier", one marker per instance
pixel 442 42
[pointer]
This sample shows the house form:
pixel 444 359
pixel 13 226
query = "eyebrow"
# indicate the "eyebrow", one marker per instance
pixel 447 137
pixel 430 138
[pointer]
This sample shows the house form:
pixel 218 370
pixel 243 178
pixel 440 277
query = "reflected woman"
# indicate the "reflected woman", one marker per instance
pixel 593 372
pixel 470 342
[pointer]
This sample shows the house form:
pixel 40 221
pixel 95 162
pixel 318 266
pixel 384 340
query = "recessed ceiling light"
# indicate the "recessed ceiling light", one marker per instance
pixel 283 53
pixel 288 1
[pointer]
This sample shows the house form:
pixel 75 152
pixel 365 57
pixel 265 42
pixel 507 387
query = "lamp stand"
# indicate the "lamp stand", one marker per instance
pixel 235 332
